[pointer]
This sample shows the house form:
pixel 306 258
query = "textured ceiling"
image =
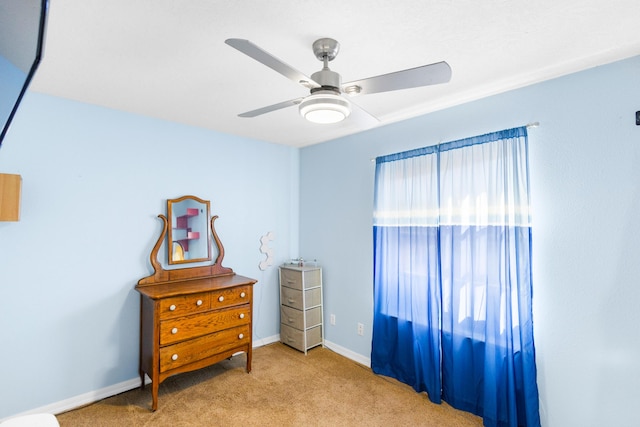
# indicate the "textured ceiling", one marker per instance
pixel 167 58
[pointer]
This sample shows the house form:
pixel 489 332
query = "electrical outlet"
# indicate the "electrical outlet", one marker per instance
pixel 332 319
pixel 360 329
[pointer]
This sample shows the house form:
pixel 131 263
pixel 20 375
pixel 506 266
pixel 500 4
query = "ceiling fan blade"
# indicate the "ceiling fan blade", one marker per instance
pixel 431 74
pixel 363 116
pixel 250 49
pixel 274 107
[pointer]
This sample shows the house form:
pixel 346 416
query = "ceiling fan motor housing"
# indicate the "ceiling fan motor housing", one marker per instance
pixel 327 79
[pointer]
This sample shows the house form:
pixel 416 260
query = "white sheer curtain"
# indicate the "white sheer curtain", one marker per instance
pixel 452 277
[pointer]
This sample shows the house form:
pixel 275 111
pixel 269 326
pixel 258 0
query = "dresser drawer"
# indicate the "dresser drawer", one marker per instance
pixel 182 328
pixel 187 304
pixel 298 279
pixel 295 318
pixel 183 353
pixel 293 297
pixel 295 337
pixel 231 296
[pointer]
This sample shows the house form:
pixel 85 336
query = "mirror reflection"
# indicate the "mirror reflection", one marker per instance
pixel 189 236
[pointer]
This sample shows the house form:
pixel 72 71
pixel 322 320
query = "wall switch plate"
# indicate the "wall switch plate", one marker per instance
pixel 638 118
pixel 360 329
pixel 332 319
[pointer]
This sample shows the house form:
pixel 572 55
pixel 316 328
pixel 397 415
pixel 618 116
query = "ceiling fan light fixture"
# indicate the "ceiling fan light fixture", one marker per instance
pixel 325 107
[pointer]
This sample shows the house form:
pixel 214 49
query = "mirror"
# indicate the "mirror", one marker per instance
pixel 22 26
pixel 189 234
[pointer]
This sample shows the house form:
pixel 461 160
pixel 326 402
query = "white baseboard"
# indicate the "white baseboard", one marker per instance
pixel 265 341
pixel 112 390
pixel 358 358
pixel 103 393
pixel 348 353
pixel 82 399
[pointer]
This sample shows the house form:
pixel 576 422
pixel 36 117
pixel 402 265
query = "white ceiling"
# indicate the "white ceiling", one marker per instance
pixel 167 58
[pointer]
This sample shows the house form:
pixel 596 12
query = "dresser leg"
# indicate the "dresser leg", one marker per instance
pixel 249 360
pixel 154 395
pixel 141 379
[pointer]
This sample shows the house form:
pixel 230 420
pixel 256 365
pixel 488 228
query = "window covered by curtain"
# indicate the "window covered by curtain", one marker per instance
pixel 452 275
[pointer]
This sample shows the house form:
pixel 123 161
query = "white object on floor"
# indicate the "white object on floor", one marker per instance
pixel 35 420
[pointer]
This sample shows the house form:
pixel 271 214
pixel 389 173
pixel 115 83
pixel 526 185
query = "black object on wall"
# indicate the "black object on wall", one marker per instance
pixel 22 27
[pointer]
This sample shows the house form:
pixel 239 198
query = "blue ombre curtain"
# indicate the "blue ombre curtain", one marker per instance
pixel 452 276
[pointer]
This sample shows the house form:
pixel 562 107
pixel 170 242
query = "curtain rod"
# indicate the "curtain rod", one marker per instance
pixel 528 126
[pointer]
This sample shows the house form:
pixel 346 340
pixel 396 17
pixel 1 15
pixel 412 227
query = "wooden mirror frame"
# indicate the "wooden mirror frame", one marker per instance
pixel 189 228
pixel 160 275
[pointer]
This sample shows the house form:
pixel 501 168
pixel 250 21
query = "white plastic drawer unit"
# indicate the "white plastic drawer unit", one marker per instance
pixel 301 311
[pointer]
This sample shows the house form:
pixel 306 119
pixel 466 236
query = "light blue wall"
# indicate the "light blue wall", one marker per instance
pixel 94 181
pixel 585 183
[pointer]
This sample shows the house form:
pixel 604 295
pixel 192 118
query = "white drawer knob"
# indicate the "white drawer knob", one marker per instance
pixel 240 336
pixel 242 295
pixel 174 331
pixel 199 302
pixel 290 320
pixel 242 315
pixel 220 298
pixel 291 300
pixel 172 307
pixel 174 357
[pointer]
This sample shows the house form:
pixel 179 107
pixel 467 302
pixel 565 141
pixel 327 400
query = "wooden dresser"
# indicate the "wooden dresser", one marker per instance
pixel 191 318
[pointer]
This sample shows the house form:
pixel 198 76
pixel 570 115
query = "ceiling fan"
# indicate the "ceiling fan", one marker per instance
pixel 326 102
